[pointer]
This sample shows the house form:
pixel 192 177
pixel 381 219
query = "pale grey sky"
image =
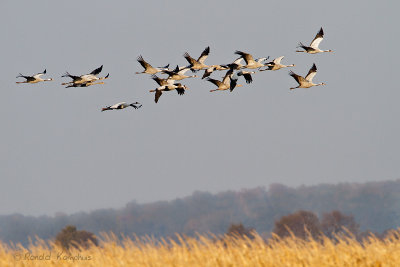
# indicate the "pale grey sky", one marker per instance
pixel 60 153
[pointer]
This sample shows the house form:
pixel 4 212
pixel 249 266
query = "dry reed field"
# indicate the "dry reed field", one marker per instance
pixel 210 251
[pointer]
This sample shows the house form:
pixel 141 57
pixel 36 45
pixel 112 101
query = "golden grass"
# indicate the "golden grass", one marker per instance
pixel 210 251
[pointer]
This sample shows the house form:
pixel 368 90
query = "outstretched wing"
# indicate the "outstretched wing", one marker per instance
pixel 233 85
pixel 143 62
pixel 204 55
pixel 172 72
pixel 311 73
pixel 208 72
pixel 23 76
pixel 39 74
pixel 180 90
pixel 278 60
pixel 73 77
pixel 233 82
pixel 303 46
pixel 247 77
pixel 157 95
pixel 214 81
pixel 97 71
pixel 191 60
pixel 299 79
pixel 318 38
pixel 247 57
pixel 157 79
pixel 227 77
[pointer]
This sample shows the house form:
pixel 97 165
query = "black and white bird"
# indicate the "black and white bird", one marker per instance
pixel 251 63
pixel 235 77
pixel 93 75
pixel 86 84
pixel 162 81
pixel 122 105
pixel 208 72
pixel 178 73
pixel 35 78
pixel 227 83
pixel 79 81
pixel 306 82
pixel 237 65
pixel 180 89
pixel 276 64
pixel 198 64
pixel 313 47
pixel 212 68
pixel 148 69
pixel 246 75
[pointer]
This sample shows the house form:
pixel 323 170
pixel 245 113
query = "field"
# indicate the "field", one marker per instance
pixel 210 251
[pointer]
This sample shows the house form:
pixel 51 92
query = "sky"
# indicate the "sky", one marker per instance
pixel 59 153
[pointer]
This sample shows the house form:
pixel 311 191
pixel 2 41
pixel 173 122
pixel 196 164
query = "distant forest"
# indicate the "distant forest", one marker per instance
pixel 375 206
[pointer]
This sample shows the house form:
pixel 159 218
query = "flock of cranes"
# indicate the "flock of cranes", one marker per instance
pixel 234 71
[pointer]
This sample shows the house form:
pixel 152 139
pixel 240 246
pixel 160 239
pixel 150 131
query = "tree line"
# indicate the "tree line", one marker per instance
pixel 375 205
pixel 301 224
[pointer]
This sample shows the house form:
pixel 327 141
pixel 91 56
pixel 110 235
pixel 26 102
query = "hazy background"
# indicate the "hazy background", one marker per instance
pixel 58 152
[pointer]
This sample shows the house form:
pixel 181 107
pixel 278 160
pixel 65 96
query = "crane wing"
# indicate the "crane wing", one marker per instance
pixel 22 76
pixel 208 72
pixel 172 72
pixel 299 79
pixel 247 77
pixel 204 55
pixel 143 62
pixel 97 71
pixel 191 60
pixel 227 78
pixel 278 60
pixel 157 79
pixel 157 95
pixel 318 38
pixel 214 81
pixel 39 74
pixel 180 90
pixel 311 73
pixel 247 57
pixel 73 77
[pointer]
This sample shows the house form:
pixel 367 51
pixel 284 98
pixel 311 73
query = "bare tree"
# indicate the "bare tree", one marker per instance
pixel 301 223
pixel 71 237
pixel 336 223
